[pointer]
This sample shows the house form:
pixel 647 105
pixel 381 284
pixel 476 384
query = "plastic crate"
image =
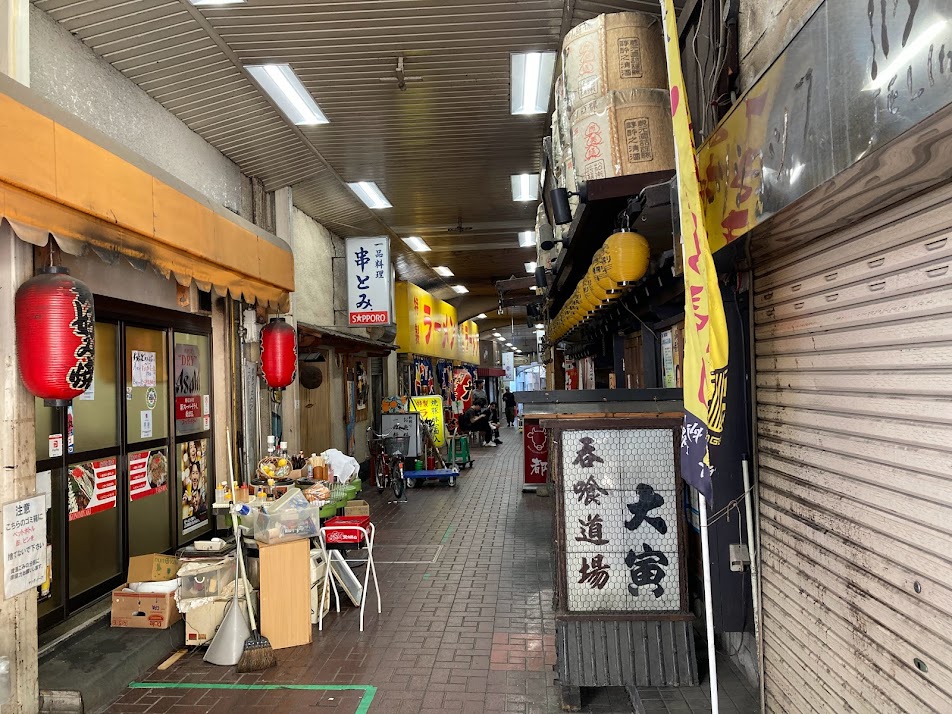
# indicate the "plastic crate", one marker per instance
pixel 345 537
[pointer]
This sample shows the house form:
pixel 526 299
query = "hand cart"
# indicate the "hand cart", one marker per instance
pixel 428 448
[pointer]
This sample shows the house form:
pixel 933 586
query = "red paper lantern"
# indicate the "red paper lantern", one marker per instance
pixel 278 353
pixel 55 331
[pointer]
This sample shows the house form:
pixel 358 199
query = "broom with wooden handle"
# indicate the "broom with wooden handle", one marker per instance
pixel 258 653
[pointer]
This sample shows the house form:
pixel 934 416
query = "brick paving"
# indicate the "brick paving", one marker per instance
pixel 472 632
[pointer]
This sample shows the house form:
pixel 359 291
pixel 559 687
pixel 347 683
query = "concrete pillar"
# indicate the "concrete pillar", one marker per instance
pixel 18 639
pixel 291 406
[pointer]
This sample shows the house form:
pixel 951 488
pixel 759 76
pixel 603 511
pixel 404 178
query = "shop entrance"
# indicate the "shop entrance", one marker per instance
pixel 127 467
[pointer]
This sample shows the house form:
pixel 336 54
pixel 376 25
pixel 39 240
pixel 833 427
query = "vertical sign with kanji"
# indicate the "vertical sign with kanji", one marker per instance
pixel 369 282
pixel 619 487
pixel 24 545
pixel 536 453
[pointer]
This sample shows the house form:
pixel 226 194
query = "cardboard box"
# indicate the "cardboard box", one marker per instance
pixel 143 610
pixel 148 568
pixel 357 508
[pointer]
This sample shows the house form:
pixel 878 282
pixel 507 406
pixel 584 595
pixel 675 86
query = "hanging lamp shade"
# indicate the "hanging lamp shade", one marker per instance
pixel 55 332
pixel 278 353
pixel 621 261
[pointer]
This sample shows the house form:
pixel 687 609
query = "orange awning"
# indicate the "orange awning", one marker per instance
pixel 57 181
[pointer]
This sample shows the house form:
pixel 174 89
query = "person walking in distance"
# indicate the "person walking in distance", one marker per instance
pixel 509 401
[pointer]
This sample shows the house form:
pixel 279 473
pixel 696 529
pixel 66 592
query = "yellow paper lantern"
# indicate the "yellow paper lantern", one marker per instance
pixel 621 261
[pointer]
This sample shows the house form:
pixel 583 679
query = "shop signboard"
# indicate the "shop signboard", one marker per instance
pixel 535 453
pixel 148 473
pixel 369 282
pixel 430 410
pixel 619 487
pixel 403 425
pixel 428 326
pixel 24 545
pixel 508 364
pixel 92 488
pixel 667 359
pixel 194 477
pixel 469 342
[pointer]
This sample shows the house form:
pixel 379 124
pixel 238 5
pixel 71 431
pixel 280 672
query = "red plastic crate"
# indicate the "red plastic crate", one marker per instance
pixel 342 536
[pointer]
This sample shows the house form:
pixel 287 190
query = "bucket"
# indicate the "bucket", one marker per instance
pixel 623 133
pixel 623 50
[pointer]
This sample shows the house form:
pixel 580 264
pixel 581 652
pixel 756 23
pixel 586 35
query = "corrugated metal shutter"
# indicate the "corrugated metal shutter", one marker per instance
pixel 854 402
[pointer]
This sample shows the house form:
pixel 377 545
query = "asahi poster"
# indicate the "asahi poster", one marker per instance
pixel 193 463
pixel 189 411
pixel 148 473
pixel 91 488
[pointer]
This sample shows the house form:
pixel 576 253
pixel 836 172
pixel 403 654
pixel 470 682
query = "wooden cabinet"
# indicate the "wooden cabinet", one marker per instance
pixel 285 593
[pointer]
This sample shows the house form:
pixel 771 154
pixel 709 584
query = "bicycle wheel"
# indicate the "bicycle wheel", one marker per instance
pixel 380 472
pixel 397 479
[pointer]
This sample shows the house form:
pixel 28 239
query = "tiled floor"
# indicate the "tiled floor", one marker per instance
pixel 470 632
pixel 735 695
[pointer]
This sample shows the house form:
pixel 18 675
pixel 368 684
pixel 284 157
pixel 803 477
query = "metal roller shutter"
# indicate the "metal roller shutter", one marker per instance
pixel 854 402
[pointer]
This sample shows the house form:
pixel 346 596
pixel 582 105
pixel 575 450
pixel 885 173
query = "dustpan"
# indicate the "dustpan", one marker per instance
pixel 229 642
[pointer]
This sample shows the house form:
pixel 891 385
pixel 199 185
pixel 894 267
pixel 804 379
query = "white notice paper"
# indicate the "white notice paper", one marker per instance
pixel 143 369
pixel 44 485
pixel 90 394
pixel 56 445
pixel 24 545
pixel 146 424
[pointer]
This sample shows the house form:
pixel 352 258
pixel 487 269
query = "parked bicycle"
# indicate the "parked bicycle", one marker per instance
pixel 387 452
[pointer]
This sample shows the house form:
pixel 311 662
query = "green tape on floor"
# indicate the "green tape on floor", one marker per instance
pixel 448 533
pixel 369 691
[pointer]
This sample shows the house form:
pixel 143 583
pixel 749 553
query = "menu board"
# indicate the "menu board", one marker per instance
pixel 91 488
pixel 148 473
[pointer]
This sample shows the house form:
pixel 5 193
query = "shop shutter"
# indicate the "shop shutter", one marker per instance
pixel 854 405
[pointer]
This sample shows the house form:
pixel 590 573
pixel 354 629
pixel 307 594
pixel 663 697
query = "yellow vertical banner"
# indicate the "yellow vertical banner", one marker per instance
pixel 705 328
pixel 431 412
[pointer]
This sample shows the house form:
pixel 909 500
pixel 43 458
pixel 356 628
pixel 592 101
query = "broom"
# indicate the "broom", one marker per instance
pixel 258 653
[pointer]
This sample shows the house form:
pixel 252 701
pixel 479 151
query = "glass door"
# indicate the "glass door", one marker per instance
pixel 147 440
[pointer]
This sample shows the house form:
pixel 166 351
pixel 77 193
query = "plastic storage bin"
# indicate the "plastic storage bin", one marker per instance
pixel 206 581
pixel 287 524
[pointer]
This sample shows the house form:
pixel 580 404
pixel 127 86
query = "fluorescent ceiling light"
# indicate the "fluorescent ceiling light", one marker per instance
pixel 443 271
pixel 501 339
pixel 525 187
pixel 212 3
pixel 540 326
pixel 416 244
pixel 530 81
pixel 480 316
pixel 508 344
pixel 372 197
pixel 281 84
pixel 496 334
pixel 461 289
pixel 904 58
pixel 527 239
pixel 531 266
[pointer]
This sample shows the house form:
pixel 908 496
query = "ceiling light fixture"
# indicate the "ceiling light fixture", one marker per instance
pixel 416 244
pixel 530 267
pixel 443 271
pixel 501 339
pixel 525 187
pixel 508 344
pixel 480 316
pixel 496 334
pixel 460 289
pixel 540 326
pixel 527 239
pixel 530 81
pixel 280 83
pixel 370 194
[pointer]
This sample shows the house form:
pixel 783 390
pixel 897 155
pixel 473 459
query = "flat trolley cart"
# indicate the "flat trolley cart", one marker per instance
pixel 443 473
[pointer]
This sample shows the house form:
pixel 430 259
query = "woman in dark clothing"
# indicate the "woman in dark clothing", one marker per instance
pixel 509 400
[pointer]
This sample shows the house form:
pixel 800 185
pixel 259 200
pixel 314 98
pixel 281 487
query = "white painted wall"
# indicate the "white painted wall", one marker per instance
pixel 67 73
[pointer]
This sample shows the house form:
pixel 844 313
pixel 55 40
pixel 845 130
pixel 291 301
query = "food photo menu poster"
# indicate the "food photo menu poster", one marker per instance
pixel 92 488
pixel 148 473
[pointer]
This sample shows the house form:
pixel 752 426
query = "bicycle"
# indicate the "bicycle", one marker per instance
pixel 387 452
